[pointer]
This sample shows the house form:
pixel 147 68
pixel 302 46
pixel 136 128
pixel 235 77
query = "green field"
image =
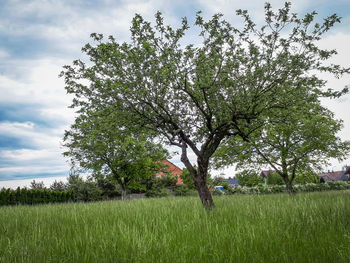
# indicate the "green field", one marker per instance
pixel 311 227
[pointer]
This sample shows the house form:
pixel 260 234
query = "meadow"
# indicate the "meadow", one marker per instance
pixel 307 227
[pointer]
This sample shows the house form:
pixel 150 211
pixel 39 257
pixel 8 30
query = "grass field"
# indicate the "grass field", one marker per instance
pixel 311 227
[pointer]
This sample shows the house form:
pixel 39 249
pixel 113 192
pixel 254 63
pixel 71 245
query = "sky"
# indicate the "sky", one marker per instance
pixel 38 37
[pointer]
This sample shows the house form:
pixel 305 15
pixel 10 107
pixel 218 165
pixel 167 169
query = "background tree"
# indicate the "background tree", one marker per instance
pixel 37 185
pixel 274 179
pixel 86 191
pixel 195 96
pixel 58 186
pixel 306 176
pixel 187 179
pixel 295 141
pixel 99 143
pixel 248 178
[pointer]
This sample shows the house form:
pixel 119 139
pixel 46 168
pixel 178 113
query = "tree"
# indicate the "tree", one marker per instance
pixel 294 143
pixel 248 178
pixel 37 185
pixel 58 186
pixel 87 190
pixel 306 176
pixel 195 96
pixel 98 142
pixel 274 179
pixel 187 179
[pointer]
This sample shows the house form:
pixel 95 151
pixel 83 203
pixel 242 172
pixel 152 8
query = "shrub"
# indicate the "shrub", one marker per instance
pixel 274 179
pixel 217 192
pixel 167 180
pixel 136 187
pixel 248 178
pixel 181 190
pixel 157 192
pixel 305 177
pixel 34 196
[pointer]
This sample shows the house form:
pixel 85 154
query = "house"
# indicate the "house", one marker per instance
pixel 171 169
pixel 265 173
pixel 233 182
pixel 335 176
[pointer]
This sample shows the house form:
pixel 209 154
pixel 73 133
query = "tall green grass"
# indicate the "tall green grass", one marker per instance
pixel 312 227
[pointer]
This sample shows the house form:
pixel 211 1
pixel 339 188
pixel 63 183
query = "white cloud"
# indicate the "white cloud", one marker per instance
pixel 26 182
pixel 3 54
pixel 61 28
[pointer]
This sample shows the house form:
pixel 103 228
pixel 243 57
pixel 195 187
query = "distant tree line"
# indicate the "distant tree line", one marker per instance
pixel 252 178
pixel 91 189
pixel 34 196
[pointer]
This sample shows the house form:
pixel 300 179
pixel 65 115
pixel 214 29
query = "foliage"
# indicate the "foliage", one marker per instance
pixel 108 185
pixel 196 96
pixel 184 190
pixel 306 176
pixel 37 185
pixel 248 178
pixel 273 189
pixel 187 179
pixel 22 196
pixel 98 142
pixel 218 192
pixel 87 190
pixel 299 139
pixel 274 179
pixel 137 187
pixel 157 192
pixel 58 186
pixel 167 180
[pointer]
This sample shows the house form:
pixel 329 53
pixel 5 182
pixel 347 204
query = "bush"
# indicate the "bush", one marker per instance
pixel 272 189
pixel 232 190
pixel 157 192
pixel 306 176
pixel 248 178
pixel 274 179
pixel 34 196
pixel 187 179
pixel 181 190
pixel 217 192
pixel 136 187
pixel 167 180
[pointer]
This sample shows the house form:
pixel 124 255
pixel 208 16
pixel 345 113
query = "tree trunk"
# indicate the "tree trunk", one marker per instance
pixel 203 191
pixel 123 193
pixel 199 176
pixel 289 185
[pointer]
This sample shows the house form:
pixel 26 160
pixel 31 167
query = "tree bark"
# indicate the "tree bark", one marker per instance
pixel 123 194
pixel 289 185
pixel 199 177
pixel 203 191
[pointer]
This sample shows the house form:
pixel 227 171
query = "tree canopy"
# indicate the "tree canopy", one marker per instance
pixel 101 144
pixel 296 140
pixel 194 96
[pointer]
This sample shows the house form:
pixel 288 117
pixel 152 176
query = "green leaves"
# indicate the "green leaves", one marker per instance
pixel 100 143
pixel 231 82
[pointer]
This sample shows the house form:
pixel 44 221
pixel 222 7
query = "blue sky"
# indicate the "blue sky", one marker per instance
pixel 38 37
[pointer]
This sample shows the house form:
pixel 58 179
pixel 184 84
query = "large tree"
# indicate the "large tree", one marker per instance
pixel 294 142
pixel 98 142
pixel 194 96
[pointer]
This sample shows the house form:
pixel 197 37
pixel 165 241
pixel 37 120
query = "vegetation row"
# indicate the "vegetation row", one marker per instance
pixel 86 191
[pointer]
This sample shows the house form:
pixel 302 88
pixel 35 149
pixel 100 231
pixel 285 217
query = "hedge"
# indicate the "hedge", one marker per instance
pixel 270 189
pixel 34 196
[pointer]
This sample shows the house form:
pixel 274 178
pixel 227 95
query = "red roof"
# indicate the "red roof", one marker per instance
pixel 172 169
pixel 331 176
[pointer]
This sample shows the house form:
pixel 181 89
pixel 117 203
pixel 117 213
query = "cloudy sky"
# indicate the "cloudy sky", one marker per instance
pixel 38 37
